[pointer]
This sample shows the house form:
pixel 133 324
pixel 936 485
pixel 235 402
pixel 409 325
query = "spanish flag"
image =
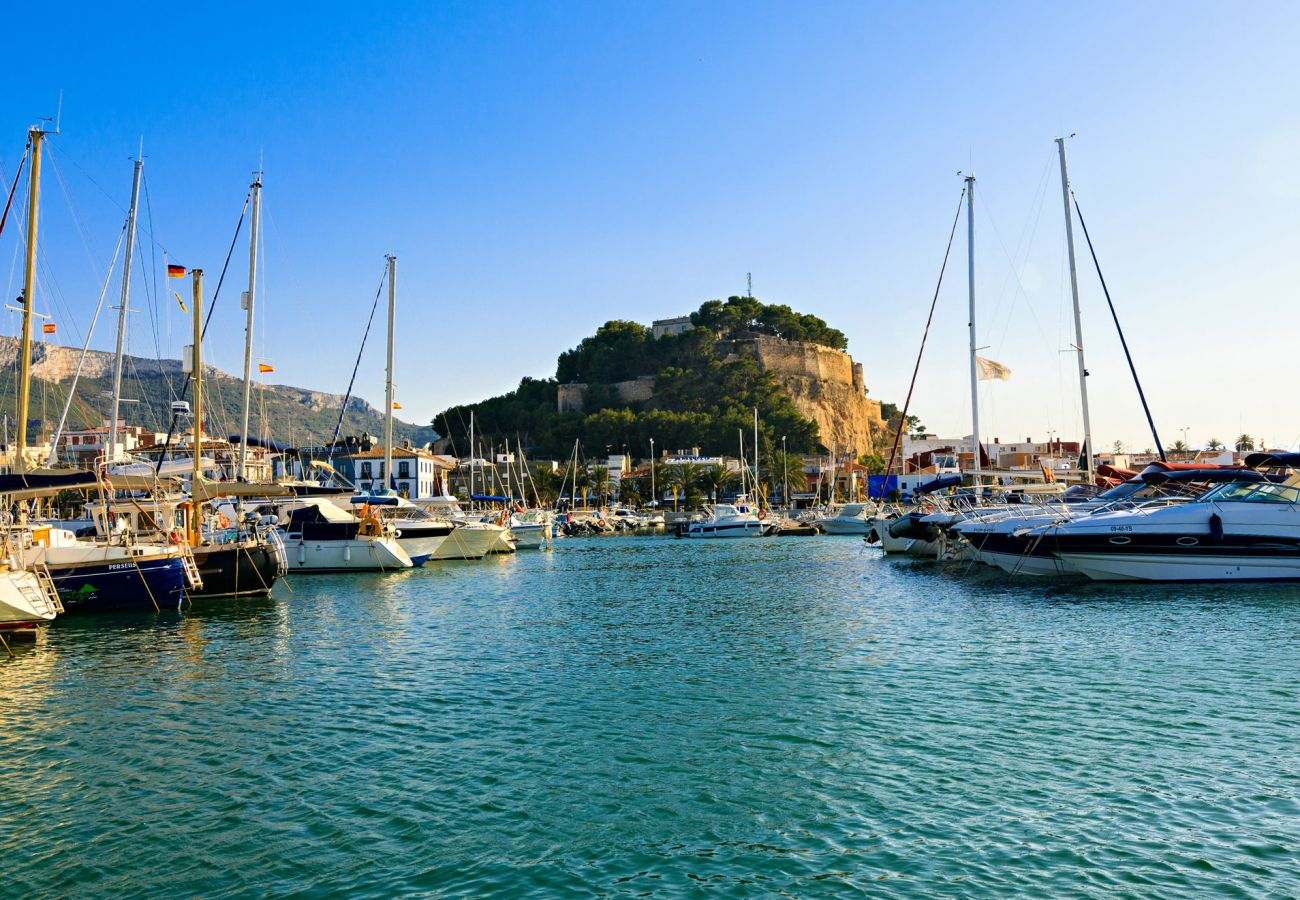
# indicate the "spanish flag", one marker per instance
pixel 175 271
pixel 179 300
pixel 264 368
pixel 49 328
pixel 396 405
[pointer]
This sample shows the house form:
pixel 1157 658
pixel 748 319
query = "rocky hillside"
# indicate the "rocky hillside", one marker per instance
pixel 282 412
pixel 693 386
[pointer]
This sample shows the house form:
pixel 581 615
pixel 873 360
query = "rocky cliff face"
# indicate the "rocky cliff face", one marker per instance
pixel 825 385
pixel 58 365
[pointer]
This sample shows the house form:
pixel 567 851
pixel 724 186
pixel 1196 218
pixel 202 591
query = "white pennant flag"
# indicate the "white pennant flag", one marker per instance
pixel 990 370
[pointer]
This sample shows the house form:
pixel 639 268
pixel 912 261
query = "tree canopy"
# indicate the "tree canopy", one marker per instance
pixel 700 399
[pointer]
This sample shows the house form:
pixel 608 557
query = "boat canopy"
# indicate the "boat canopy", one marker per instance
pixel 1273 460
pixel 274 446
pixel 1210 476
pixel 37 484
pixel 489 498
pixel 375 498
pixel 938 484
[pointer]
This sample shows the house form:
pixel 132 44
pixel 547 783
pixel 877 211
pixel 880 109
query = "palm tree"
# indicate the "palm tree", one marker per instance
pixel 629 491
pixel 1178 446
pixel 547 484
pixel 685 477
pixel 1245 442
pixel 1214 444
pixel 714 480
pixel 600 483
pixel 789 469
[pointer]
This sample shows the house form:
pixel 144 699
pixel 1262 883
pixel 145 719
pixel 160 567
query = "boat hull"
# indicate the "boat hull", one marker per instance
pixel 244 569
pixel 23 604
pixel 1184 567
pixel 530 536
pixel 354 555
pixel 705 530
pixel 466 543
pixel 858 527
pixel 143 583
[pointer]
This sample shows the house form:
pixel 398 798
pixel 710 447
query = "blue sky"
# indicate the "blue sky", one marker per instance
pixel 541 168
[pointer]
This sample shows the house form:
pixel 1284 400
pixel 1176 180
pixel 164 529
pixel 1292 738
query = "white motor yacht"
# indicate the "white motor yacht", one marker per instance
pixel 851 518
pixel 1239 531
pixel 728 521
pixel 320 537
pixel 473 537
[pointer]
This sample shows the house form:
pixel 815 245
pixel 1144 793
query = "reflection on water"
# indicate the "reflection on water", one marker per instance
pixel 652 715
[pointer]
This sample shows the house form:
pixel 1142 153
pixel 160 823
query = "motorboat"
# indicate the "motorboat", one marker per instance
pixel 1245 529
pixel 726 520
pixel 851 518
pixel 474 537
pixel 320 537
pixel 420 533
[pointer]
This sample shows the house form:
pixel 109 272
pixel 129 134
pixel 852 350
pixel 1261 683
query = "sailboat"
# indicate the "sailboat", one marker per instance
pixel 417 531
pixel 109 572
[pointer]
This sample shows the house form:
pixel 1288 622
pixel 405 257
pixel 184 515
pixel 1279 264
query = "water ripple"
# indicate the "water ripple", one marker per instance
pixel 650 716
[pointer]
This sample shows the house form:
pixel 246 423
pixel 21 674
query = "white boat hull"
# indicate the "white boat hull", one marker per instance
pixel 530 536
pixel 736 530
pixel 1180 567
pixel 845 526
pixel 356 555
pixel 466 542
pixel 22 601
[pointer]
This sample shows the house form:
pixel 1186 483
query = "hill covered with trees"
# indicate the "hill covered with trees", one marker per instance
pixel 701 398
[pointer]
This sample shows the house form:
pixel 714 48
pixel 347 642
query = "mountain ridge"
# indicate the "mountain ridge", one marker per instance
pixel 303 415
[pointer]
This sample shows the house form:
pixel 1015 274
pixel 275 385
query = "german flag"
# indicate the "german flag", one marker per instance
pixel 175 271
pixel 264 368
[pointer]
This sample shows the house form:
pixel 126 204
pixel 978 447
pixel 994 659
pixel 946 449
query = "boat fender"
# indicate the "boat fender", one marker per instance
pixel 397 533
pixel 1216 528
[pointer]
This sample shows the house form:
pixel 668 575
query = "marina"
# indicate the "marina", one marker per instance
pixel 584 450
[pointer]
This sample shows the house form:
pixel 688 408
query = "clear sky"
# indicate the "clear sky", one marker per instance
pixel 540 168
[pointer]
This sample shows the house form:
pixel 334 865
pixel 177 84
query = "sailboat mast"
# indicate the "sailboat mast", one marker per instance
pixel 122 307
pixel 388 374
pixel 757 498
pixel 1078 319
pixel 471 456
pixel 974 368
pixel 196 374
pixel 249 300
pixel 35 137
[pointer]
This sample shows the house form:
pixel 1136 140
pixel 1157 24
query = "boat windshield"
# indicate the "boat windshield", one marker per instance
pixel 1254 493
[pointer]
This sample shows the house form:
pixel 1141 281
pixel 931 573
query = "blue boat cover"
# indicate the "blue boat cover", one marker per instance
pixel 939 484
pixel 1273 460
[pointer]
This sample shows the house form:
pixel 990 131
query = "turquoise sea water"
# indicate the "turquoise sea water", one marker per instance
pixel 652 716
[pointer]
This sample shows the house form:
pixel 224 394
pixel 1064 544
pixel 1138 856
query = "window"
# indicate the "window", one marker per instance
pixel 403 469
pixel 1255 493
pixel 365 470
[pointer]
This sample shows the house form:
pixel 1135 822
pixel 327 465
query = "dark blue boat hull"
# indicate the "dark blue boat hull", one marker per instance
pixel 111 587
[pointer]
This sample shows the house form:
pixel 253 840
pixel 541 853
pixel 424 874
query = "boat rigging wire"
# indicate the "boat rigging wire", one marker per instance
pixel 72 388
pixel 902 416
pixel 351 381
pixel 1124 343
pixel 185 386
pixel 17 177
